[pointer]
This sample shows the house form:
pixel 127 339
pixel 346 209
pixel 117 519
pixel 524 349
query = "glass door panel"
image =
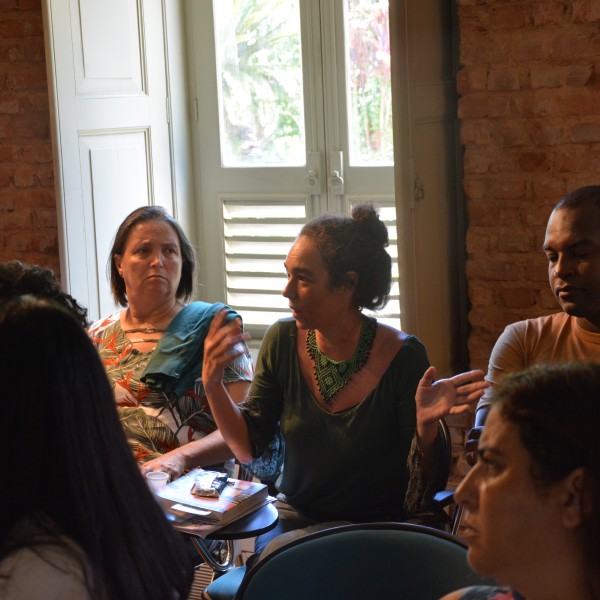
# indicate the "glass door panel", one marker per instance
pixel 287 91
pixel 368 82
pixel 259 74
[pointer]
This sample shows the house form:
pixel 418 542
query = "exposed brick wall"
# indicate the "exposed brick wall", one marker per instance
pixel 529 110
pixel 28 222
pixel 530 123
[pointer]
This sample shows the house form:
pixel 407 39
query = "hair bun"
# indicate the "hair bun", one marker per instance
pixel 367 217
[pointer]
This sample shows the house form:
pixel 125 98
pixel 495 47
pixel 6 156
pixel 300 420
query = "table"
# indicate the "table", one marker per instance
pixel 255 523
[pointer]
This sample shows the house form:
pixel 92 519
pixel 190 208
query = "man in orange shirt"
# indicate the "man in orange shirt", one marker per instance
pixel 572 247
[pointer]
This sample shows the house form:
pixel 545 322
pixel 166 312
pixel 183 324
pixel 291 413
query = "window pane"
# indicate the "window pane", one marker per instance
pixel 368 82
pixel 259 70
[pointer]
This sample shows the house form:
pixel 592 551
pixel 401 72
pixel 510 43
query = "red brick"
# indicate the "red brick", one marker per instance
pixel 6 176
pixel 18 242
pixel 551 135
pixel 472 79
pixel 29 5
pixel 546 13
pixel 496 270
pixel 529 50
pixel 575 47
pixel 579 75
pixel 7 201
pixel 476 132
pixel 479 351
pixel 548 77
pixel 490 49
pixel 45 217
pixel 21 27
pixel 512 134
pixel 7 6
pixel 477 241
pixel 552 189
pixel 586 11
pixel 481 294
pixel 503 79
pixel 512 16
pixel 10 105
pixel 579 102
pixel 492 213
pixel 508 189
pixel 585 132
pixel 46 243
pixel 37 153
pixel 32 126
pixel 537 269
pixel 45 175
pixel 24 177
pixel 514 241
pixel 483 106
pixel 42 197
pixel 518 297
pixel 33 78
pixel 572 158
pixel 533 161
pixel 475 161
pixel 14 220
pixel 491 321
pixel 475 188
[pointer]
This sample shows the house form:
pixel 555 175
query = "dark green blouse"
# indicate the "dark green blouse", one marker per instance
pixel 350 465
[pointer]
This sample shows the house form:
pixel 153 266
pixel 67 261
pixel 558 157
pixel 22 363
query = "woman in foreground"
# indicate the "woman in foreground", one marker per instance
pixel 533 499
pixel 77 520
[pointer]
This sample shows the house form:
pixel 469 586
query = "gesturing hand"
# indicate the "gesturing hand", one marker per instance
pixel 452 396
pixel 223 343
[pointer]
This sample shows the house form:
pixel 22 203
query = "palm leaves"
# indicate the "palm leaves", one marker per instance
pixel 261 81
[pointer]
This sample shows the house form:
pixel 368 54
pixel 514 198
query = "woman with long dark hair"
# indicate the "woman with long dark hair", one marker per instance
pixel 77 519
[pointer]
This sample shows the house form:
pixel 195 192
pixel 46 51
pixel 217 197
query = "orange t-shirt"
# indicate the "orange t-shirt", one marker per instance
pixel 553 339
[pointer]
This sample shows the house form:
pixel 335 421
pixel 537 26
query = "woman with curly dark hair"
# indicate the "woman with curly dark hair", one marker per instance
pixel 354 399
pixel 17 278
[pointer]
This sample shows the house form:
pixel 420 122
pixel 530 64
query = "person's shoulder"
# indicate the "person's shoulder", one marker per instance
pixel 285 326
pixel 388 332
pixel 101 324
pixel 49 570
pixel 409 351
pixel 538 323
pixel 482 592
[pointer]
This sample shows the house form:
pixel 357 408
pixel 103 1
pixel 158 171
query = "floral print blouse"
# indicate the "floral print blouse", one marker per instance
pixel 155 422
pixel 483 592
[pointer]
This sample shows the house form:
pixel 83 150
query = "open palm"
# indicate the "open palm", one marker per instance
pixel 452 396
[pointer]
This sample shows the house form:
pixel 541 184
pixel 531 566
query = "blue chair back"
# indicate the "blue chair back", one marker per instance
pixel 375 560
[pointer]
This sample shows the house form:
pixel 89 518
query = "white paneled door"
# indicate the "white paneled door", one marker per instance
pixel 108 79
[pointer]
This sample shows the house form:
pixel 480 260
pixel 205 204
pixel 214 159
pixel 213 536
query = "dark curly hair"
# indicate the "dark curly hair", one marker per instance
pixel 140 215
pixel 355 244
pixel 18 278
pixel 556 410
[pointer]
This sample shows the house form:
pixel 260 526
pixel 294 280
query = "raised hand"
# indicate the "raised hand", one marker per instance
pixel 223 343
pixel 452 396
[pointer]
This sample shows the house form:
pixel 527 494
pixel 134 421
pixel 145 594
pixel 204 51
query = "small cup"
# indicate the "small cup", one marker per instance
pixel 157 479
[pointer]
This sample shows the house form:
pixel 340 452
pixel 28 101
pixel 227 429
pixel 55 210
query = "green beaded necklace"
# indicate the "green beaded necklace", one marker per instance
pixel 333 375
